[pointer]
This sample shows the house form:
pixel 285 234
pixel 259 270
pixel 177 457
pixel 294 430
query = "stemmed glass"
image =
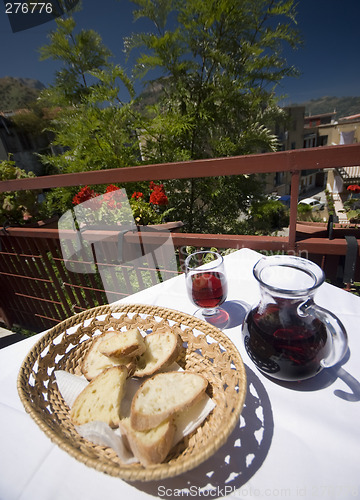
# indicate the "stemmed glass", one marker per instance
pixel 206 285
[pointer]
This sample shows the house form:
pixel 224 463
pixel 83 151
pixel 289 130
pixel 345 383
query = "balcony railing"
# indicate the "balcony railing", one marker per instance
pixel 38 291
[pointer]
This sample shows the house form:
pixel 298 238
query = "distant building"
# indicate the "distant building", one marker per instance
pixel 316 120
pixel 312 139
pixel 297 132
pixel 345 131
pixel 290 136
pixel 325 130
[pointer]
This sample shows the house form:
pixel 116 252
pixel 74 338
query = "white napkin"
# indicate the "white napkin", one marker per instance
pixel 100 433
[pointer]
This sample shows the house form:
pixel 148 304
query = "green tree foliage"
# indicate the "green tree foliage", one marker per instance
pixel 16 207
pixel 92 127
pixel 219 63
pixel 90 121
pixel 80 54
pixel 304 212
pixel 32 120
pixel 267 215
pixel 215 65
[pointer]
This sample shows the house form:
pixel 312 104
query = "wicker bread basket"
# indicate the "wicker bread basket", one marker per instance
pixel 208 351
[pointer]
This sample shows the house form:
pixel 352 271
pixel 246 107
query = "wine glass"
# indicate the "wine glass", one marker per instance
pixel 206 285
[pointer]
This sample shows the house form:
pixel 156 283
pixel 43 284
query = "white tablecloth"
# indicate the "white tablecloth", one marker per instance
pixel 292 441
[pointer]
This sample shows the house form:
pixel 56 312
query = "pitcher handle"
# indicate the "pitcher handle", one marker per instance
pixel 336 332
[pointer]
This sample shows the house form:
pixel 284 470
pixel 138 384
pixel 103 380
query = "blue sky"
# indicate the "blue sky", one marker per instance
pixel 328 61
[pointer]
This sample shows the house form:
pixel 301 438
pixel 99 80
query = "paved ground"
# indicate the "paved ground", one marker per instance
pixel 339 207
pixel 4 332
pixel 319 193
pixel 324 214
pixel 7 337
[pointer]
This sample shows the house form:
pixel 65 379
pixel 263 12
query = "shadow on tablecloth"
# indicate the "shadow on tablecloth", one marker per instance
pixel 235 462
pixel 326 378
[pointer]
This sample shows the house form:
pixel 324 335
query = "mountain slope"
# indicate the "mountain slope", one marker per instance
pixel 344 106
pixel 16 93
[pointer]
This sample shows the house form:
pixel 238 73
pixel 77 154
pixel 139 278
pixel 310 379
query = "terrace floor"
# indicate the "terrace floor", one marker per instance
pixel 339 209
pixel 4 332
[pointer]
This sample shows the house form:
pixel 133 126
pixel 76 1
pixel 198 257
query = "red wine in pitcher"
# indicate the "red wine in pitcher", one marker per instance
pixel 208 289
pixel 284 344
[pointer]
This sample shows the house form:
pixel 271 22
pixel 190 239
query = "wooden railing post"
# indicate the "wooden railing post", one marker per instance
pixel 294 193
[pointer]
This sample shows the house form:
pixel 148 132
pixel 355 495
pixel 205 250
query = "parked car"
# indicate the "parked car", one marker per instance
pixel 313 203
pixel 285 199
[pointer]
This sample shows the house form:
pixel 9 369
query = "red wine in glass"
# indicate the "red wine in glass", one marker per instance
pixel 206 285
pixel 208 289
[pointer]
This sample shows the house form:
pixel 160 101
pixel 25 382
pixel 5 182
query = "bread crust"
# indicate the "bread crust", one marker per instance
pixel 95 362
pixel 163 395
pixel 149 447
pixel 144 357
pixel 129 343
pixel 152 361
pixel 100 400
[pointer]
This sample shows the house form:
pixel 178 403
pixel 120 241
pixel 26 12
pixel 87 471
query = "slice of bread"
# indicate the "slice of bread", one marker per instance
pixel 120 344
pixel 95 362
pixel 152 446
pixel 101 398
pixel 164 394
pixel 162 349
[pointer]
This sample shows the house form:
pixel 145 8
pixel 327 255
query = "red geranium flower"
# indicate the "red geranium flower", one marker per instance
pixel 84 194
pixel 137 195
pixel 158 196
pixel 111 188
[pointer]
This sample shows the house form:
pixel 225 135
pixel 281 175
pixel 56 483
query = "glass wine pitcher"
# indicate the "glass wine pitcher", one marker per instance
pixel 286 334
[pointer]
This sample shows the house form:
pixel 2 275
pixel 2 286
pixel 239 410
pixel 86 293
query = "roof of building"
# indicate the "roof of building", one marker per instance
pixel 351 117
pixel 322 115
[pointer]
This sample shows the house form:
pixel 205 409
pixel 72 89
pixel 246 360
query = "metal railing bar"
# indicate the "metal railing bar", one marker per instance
pixel 54 249
pixel 99 290
pixel 42 246
pixel 26 266
pixel 22 276
pixel 41 268
pixel 33 297
pixel 48 318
